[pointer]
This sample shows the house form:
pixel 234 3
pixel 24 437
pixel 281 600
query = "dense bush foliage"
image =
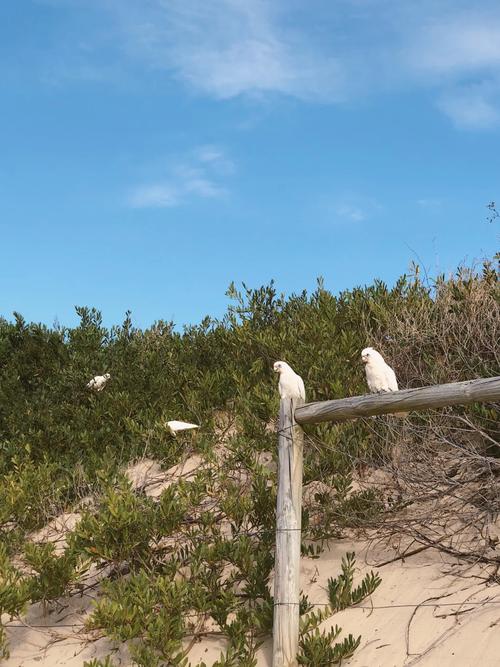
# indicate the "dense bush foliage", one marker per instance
pixel 203 550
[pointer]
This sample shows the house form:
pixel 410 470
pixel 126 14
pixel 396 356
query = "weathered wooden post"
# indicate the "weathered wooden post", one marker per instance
pixel 288 537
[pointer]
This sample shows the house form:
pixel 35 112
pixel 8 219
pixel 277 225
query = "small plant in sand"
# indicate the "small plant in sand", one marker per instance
pixel 340 589
pixel 319 648
pixel 105 662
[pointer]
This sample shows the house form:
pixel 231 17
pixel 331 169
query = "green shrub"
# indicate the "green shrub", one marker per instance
pixel 107 662
pixel 120 530
pixel 52 574
pixel 14 594
pixel 148 608
pixel 205 547
pixel 318 650
pixel 31 494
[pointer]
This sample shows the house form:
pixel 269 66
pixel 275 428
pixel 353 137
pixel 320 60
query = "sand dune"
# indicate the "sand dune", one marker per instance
pixel 429 610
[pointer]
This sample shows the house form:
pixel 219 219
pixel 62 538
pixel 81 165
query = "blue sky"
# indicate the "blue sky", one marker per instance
pixel 152 151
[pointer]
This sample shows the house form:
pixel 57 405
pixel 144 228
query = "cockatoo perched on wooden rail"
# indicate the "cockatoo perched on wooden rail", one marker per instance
pixel 379 375
pixel 98 382
pixel 175 426
pixel 290 384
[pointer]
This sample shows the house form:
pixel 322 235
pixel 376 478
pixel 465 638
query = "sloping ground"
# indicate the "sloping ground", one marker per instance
pixel 457 622
pixel 429 610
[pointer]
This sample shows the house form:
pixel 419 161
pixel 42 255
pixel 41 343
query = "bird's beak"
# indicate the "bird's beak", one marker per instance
pixel 364 360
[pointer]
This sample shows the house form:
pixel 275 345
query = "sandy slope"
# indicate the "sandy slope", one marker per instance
pixel 395 630
pixel 460 633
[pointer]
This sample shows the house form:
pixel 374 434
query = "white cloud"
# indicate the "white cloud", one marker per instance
pixel 154 196
pixel 354 207
pixel 470 108
pixel 458 56
pixel 228 48
pixel 209 154
pixel 315 51
pixel 458 46
pixel 195 180
pixel 257 65
pixel 215 157
pixel 190 178
pixel 352 213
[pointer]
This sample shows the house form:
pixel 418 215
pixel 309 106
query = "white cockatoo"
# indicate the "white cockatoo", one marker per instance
pixel 175 426
pixel 98 382
pixel 380 377
pixel 290 385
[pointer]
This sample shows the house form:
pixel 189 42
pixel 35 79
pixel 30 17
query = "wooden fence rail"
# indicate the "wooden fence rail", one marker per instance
pixel 421 398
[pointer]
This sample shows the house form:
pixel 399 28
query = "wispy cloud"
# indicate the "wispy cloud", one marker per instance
pixel 353 208
pixel 458 55
pixel 227 48
pixel 209 154
pixel 318 51
pixel 352 213
pixel 472 107
pixel 429 203
pixel 214 157
pixel 155 195
pixel 197 175
pixel 458 45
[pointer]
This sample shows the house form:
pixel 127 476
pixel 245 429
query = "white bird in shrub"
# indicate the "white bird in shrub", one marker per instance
pixel 175 426
pixel 380 377
pixel 290 384
pixel 98 382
